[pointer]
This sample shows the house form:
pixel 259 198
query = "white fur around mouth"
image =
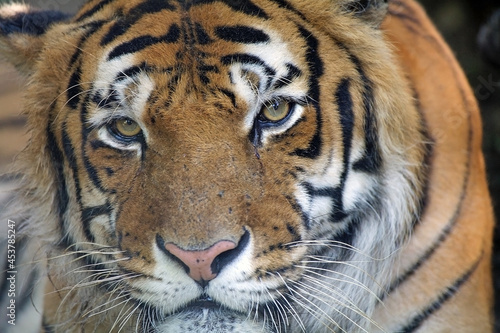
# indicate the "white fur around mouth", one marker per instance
pixel 196 319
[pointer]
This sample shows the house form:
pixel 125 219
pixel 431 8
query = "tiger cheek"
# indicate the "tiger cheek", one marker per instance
pixel 115 169
pixel 136 226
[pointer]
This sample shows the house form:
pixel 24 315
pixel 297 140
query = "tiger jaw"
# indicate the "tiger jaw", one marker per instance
pixel 211 321
pixel 207 316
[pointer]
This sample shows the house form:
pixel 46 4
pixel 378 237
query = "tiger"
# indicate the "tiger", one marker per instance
pixel 271 166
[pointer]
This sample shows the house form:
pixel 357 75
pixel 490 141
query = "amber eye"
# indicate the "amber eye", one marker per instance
pixel 126 128
pixel 275 111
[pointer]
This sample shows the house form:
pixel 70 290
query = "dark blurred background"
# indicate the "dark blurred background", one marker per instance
pixel 459 21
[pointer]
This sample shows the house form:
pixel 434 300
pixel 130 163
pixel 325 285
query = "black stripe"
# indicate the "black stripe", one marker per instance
pixel 91 170
pixel 306 221
pixel 242 34
pixel 429 150
pixel 58 165
pixel 94 27
pixel 69 152
pixel 140 43
pixel 133 71
pixel 188 28
pixel 437 244
pixel 372 159
pixel 454 219
pixel 445 296
pixel 347 235
pixel 201 35
pixel 203 70
pixel 315 72
pixel 110 100
pixel 293 73
pixel 230 95
pixel 287 6
pixel 357 7
pixel 93 10
pixel 123 25
pixel 346 116
pixel 334 193
pixel 243 6
pixel 247 59
pixel 89 213
pixel 74 89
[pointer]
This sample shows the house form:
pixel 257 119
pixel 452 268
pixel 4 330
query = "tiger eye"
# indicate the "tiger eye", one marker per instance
pixel 276 111
pixel 127 127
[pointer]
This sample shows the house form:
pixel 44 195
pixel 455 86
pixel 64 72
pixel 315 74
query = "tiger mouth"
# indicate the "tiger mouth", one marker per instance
pixel 204 303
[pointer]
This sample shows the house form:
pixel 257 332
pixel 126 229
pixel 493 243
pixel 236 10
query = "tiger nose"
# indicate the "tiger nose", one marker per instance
pixel 204 265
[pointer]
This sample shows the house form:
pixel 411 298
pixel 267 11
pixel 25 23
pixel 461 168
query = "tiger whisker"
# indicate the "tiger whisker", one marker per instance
pixel 334 244
pixel 107 262
pixel 273 321
pixel 290 307
pixel 345 263
pixel 91 313
pixel 125 319
pixel 312 312
pixel 279 307
pixel 353 308
pixel 303 291
pixel 119 315
pixel 351 281
pixel 334 290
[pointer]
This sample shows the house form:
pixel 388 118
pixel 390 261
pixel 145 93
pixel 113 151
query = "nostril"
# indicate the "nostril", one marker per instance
pixel 226 257
pixel 160 242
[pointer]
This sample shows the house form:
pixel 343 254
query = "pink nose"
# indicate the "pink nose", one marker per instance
pixel 201 263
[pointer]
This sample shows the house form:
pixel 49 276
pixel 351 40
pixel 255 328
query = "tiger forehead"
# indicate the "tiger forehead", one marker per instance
pixel 197 38
pixel 188 23
pixel 161 53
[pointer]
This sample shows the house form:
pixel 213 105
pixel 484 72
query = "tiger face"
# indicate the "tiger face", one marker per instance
pixel 223 166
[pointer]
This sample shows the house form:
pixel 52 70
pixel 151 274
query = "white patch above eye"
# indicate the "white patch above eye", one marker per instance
pixel 131 93
pixel 108 70
pixel 270 62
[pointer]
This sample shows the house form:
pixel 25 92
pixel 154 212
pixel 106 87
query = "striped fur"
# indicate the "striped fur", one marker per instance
pixel 362 208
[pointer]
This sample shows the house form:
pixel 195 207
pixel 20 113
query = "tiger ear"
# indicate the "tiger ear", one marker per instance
pixel 371 11
pixel 21 34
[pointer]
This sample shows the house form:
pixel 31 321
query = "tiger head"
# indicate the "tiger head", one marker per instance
pixel 215 166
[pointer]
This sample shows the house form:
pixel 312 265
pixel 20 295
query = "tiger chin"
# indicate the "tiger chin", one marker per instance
pixel 246 166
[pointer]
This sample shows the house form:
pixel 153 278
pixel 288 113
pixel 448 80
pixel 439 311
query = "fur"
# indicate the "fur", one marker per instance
pixel 349 214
